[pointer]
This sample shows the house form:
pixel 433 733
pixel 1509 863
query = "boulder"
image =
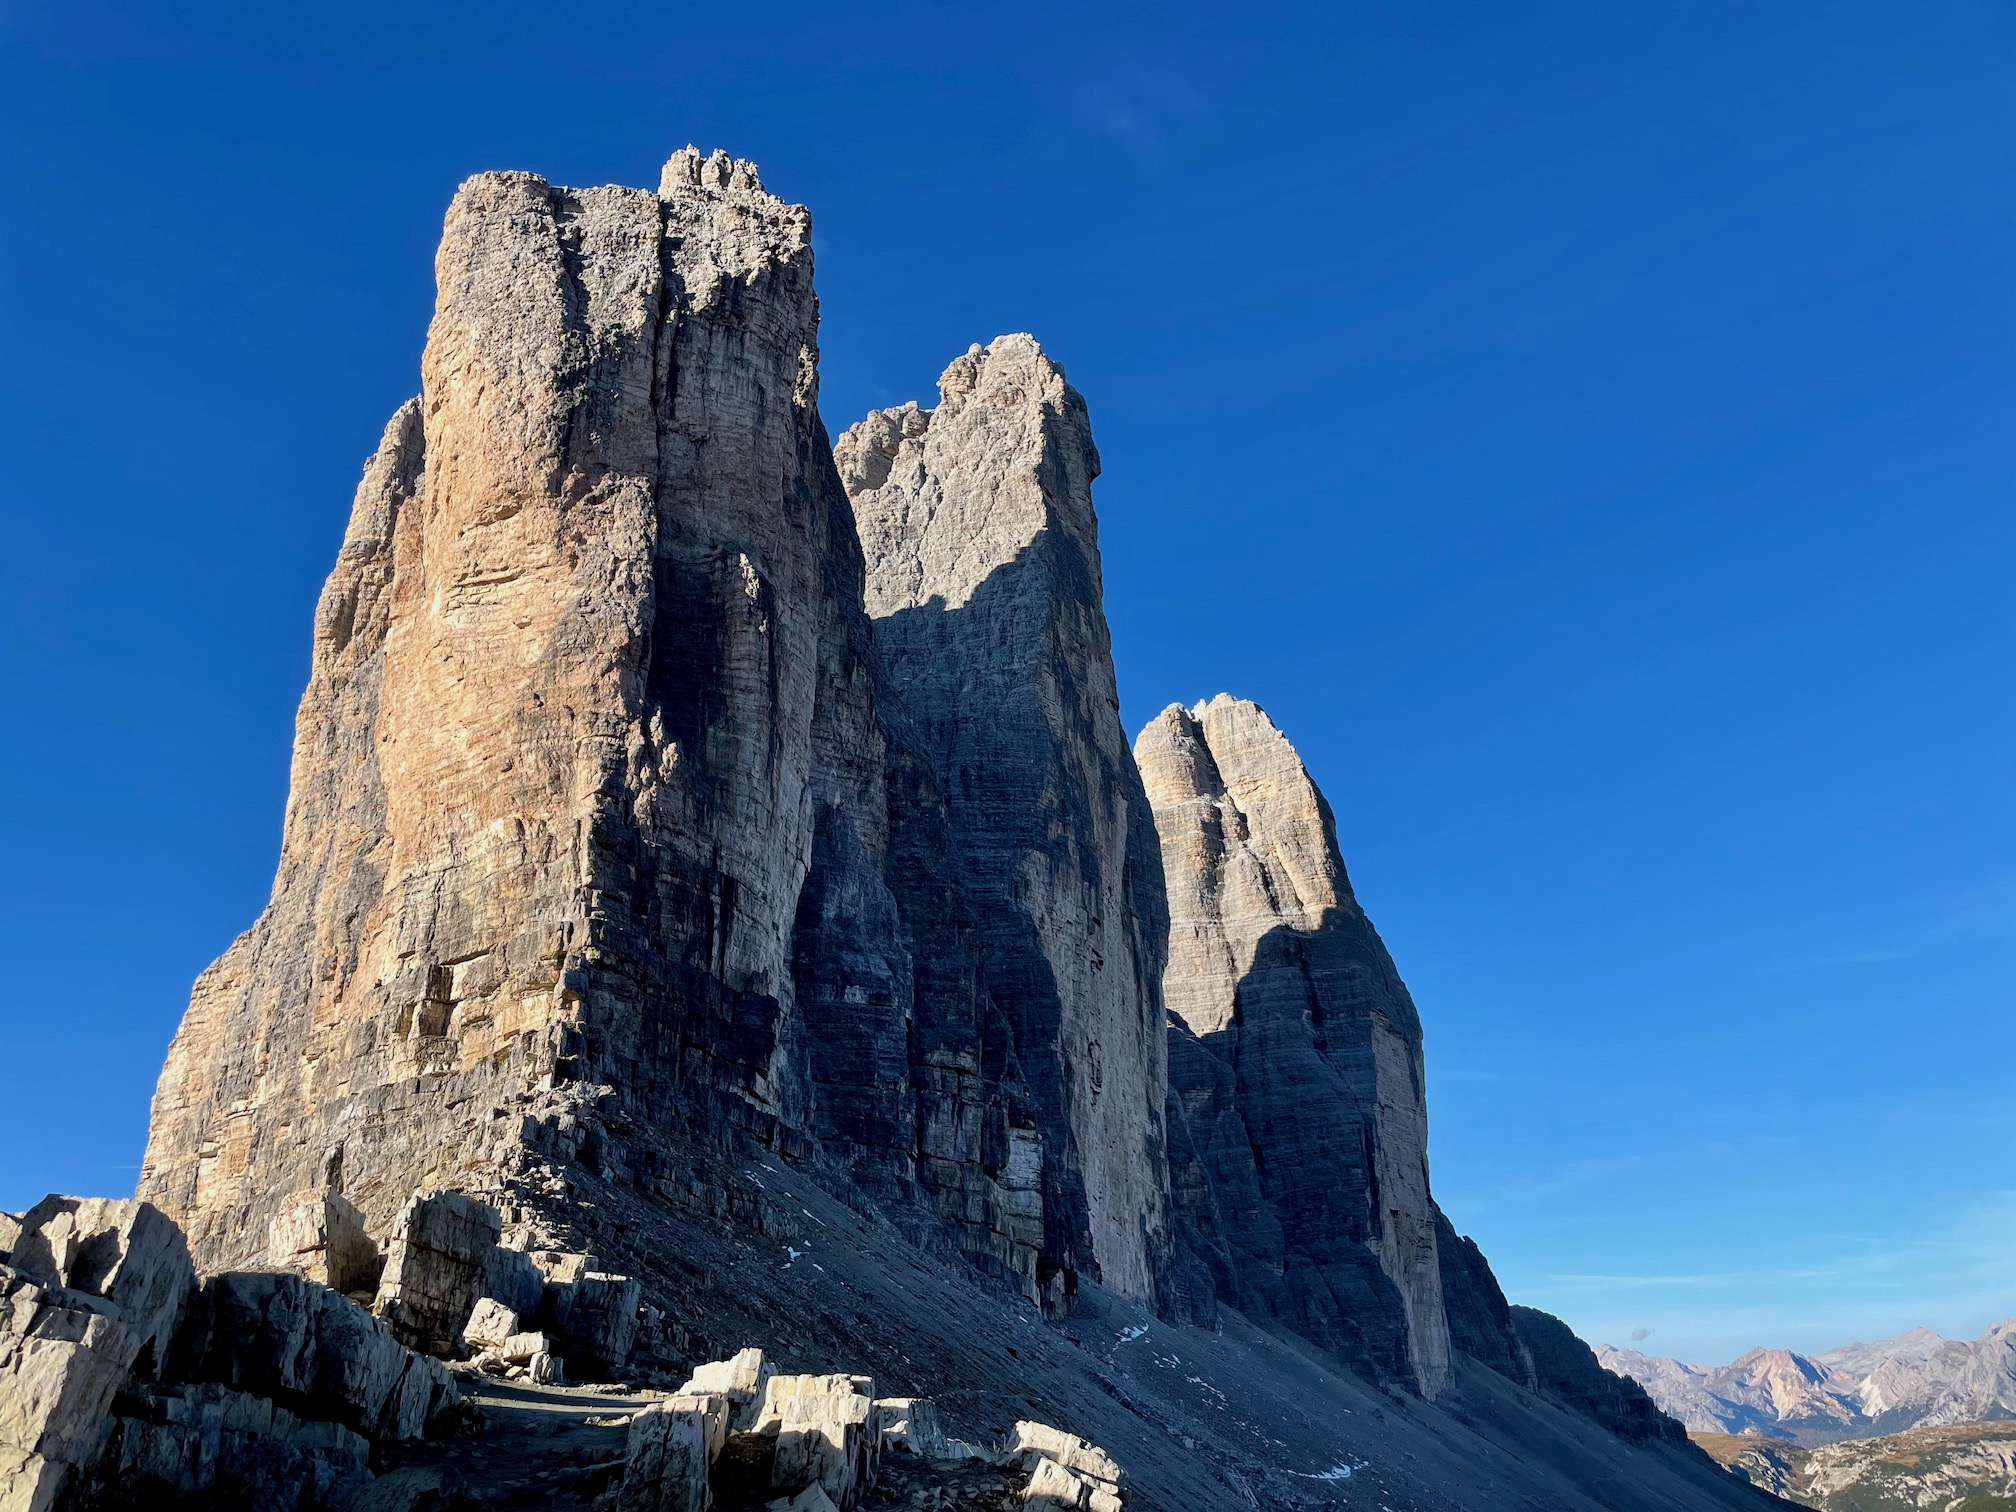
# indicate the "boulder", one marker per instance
pixel 561 1267
pixel 596 1319
pixel 522 1348
pixel 437 1266
pixel 911 1424
pixel 1052 1488
pixel 513 1278
pixel 741 1379
pixel 127 1252
pixel 281 1335
pixel 1065 1471
pixel 241 1450
pixel 666 1460
pixel 822 1425
pixel 714 1412
pixel 1033 1441
pixel 490 1324
pixel 63 1357
pixel 321 1234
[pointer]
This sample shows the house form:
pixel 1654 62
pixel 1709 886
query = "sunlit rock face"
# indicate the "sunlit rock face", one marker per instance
pixel 587 796
pixel 1299 1124
pixel 983 583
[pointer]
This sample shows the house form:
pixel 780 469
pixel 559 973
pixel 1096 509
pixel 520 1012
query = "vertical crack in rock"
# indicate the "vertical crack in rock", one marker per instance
pixel 984 587
pixel 1300 1152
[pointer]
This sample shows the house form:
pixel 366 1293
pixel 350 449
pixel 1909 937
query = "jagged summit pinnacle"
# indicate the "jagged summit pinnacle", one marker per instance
pixel 686 170
pixel 1295 1052
pixel 982 584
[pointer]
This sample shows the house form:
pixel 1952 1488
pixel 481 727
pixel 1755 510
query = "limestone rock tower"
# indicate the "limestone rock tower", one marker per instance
pixel 1299 1139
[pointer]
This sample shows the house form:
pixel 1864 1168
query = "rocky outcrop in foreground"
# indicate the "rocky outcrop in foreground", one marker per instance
pixel 122 1378
pixel 693 932
pixel 127 1383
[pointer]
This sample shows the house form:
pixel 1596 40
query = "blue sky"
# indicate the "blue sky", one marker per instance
pixel 1585 427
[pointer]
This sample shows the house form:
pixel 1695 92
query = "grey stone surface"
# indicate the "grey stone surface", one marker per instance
pixel 824 1427
pixel 281 1336
pixel 226 1448
pixel 983 581
pixel 596 1319
pixel 126 1252
pixel 1301 1149
pixel 667 1457
pixel 439 1265
pixel 321 1234
pixel 62 1360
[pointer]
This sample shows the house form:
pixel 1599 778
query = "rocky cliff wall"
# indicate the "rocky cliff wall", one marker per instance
pixel 588 787
pixel 983 583
pixel 1301 1153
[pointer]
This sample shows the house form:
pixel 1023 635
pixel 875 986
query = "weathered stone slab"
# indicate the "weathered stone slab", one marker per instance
pixel 63 1357
pixel 276 1334
pixel 209 1441
pixel 596 1320
pixel 741 1379
pixel 666 1459
pixel 437 1265
pixel 321 1234
pixel 127 1252
pixel 1032 1441
pixel 911 1424
pixel 824 1433
pixel 490 1324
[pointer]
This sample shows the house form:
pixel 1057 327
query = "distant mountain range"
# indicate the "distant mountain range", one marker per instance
pixel 1917 1379
pixel 1968 1467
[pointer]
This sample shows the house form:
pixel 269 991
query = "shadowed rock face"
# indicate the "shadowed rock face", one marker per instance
pixel 1299 1163
pixel 983 583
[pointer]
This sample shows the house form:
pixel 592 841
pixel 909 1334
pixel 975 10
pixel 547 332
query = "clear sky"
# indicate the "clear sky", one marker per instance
pixel 1586 427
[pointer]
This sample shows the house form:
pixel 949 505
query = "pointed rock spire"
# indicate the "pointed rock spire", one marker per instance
pixel 1300 1164
pixel 983 585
